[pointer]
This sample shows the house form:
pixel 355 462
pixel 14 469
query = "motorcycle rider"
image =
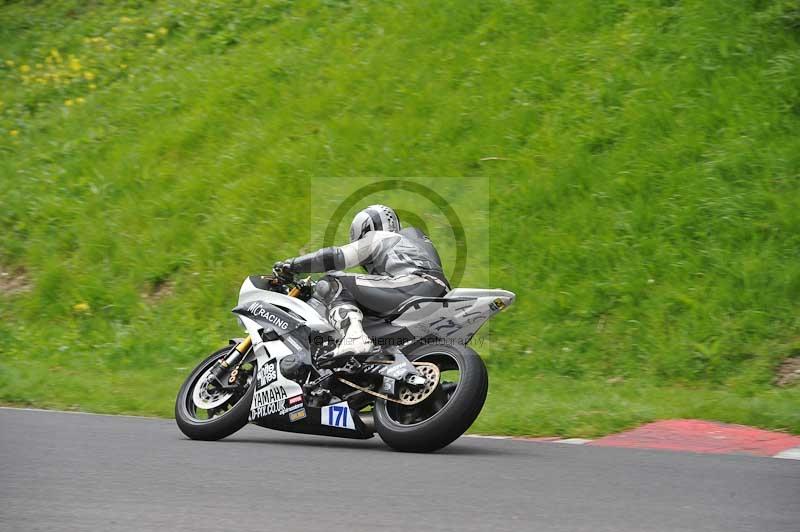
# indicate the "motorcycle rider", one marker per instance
pixel 400 263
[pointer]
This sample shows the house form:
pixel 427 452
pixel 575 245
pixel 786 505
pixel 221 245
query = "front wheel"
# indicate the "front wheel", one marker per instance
pixel 447 413
pixel 204 410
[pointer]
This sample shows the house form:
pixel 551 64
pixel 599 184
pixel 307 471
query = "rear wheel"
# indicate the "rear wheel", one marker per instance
pixel 447 413
pixel 206 411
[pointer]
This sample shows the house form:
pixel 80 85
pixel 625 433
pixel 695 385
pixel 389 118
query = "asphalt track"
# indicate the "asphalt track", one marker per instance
pixel 63 471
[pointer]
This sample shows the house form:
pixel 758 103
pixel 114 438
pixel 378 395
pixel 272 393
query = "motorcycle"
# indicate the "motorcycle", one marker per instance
pixel 420 388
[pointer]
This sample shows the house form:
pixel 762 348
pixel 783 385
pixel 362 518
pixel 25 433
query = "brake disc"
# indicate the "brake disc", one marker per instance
pixel 406 394
pixel 206 398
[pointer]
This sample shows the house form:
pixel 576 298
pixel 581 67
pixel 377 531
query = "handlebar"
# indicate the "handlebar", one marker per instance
pixel 283 276
pixel 284 279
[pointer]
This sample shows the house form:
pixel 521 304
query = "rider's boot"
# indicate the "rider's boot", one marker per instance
pixel 347 320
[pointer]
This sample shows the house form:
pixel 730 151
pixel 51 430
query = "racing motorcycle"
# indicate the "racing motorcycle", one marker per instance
pixel 420 388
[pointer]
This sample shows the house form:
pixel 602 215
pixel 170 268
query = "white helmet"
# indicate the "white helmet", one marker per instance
pixel 374 218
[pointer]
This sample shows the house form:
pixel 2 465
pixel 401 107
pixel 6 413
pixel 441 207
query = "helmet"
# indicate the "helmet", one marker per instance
pixel 374 218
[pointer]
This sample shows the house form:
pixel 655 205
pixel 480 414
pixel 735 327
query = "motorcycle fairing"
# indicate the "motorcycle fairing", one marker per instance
pixel 278 401
pixel 269 317
pixel 455 317
pixel 274 394
pixel 312 424
pixel 337 420
pixel 249 293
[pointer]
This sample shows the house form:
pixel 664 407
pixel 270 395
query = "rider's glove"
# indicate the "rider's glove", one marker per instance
pixel 282 267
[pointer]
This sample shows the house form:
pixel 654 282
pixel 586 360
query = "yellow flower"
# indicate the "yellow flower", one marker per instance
pixel 123 66
pixel 74 63
pixel 24 69
pixel 79 100
pixel 88 75
pixel 9 62
pixel 92 86
pixel 162 30
pixel 150 35
pixel 13 132
pixel 125 20
pixel 81 307
pixel 68 103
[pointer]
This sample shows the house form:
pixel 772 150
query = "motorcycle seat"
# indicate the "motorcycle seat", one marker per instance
pixel 453 296
pixel 411 302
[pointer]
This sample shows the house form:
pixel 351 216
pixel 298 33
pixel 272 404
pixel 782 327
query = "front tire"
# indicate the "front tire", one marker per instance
pixel 447 413
pixel 221 421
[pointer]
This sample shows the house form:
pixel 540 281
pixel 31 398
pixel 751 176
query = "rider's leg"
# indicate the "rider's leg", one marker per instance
pixel 347 320
pixel 335 290
pixel 345 295
pixel 379 294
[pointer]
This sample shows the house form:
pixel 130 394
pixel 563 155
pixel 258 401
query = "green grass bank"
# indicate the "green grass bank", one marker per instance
pixel 630 169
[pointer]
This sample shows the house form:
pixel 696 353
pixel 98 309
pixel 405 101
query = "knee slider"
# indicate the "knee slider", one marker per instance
pixel 326 289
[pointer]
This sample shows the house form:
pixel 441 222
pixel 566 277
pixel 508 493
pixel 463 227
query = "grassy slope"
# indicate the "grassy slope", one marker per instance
pixel 645 205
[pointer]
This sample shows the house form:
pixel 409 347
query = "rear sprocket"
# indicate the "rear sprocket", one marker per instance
pixel 408 395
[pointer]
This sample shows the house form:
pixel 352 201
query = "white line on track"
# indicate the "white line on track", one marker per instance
pixel 24 409
pixel 790 454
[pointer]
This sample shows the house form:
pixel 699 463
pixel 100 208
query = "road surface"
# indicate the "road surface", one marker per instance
pixel 63 471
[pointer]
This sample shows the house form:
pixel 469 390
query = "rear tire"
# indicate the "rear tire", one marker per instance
pixel 454 418
pixel 218 427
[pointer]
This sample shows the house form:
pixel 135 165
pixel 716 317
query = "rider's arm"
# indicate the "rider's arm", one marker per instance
pixel 341 257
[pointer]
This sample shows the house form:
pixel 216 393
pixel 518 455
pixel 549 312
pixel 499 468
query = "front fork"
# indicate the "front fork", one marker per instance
pixel 234 357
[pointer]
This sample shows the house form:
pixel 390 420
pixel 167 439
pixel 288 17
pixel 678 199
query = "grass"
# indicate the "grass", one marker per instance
pixel 629 169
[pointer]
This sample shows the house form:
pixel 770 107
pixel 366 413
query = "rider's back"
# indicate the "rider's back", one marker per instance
pixel 409 251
